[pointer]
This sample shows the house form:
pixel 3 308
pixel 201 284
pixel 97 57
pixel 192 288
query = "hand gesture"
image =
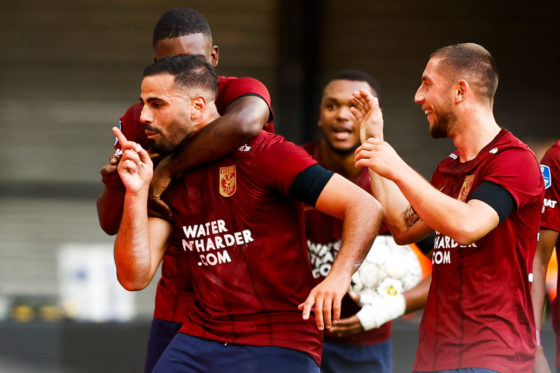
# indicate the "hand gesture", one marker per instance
pixel 135 167
pixel 368 115
pixel 380 157
pixel 347 327
pixel 325 299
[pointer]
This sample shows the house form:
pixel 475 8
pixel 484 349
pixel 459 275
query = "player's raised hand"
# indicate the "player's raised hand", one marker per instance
pixel 367 114
pixel 135 167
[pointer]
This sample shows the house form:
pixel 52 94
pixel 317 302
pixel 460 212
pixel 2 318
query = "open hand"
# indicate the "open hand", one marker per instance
pixel 368 115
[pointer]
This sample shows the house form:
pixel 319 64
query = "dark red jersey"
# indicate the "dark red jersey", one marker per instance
pixel 324 237
pixel 244 241
pixel 550 219
pixel 174 294
pixel 479 311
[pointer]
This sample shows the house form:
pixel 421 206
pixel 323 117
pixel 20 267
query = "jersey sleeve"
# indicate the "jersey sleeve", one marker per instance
pixel 233 89
pixel 550 169
pixel 240 87
pixel 516 170
pixel 279 162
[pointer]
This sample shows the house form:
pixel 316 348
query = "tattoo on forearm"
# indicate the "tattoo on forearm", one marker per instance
pixel 410 217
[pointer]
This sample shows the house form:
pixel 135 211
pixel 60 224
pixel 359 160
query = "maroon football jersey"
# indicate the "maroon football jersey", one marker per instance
pixel 324 237
pixel 479 311
pixel 550 219
pixel 244 241
pixel 174 291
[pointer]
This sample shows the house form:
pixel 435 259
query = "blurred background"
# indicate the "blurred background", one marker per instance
pixel 70 69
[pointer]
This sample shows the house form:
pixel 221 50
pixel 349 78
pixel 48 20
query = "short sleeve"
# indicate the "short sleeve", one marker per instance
pixel 279 162
pixel 236 88
pixel 231 89
pixel 516 170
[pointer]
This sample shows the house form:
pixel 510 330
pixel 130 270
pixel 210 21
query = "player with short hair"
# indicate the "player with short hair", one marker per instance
pixel 239 223
pixel 549 237
pixel 483 203
pixel 245 107
pixel 360 341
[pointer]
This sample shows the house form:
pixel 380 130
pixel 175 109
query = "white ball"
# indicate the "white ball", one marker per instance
pixel 396 266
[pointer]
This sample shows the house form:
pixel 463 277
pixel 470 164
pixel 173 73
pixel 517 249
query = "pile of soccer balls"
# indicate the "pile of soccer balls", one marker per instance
pixel 389 269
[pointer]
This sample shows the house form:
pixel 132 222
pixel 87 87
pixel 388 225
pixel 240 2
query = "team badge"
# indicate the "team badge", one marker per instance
pixel 228 183
pixel 547 177
pixel 466 188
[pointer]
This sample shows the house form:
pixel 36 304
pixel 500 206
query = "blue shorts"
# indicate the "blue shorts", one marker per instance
pixel 188 354
pixel 339 358
pixel 161 334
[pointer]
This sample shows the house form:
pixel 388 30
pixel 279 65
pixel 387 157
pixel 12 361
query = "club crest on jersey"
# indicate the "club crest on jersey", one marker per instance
pixel 547 177
pixel 228 181
pixel 466 188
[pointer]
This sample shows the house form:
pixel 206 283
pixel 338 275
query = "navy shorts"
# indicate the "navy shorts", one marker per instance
pixel 188 354
pixel 339 358
pixel 161 334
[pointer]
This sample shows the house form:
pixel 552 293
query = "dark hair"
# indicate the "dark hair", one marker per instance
pixel 178 22
pixel 474 63
pixel 190 71
pixel 357 76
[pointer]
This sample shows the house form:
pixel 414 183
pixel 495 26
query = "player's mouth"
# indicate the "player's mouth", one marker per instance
pixel 150 134
pixel 342 133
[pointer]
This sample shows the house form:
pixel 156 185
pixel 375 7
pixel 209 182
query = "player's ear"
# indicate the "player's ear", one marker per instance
pixel 198 106
pixel 462 88
pixel 215 55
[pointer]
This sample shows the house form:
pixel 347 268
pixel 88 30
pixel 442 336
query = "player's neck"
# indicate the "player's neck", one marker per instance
pixel 474 133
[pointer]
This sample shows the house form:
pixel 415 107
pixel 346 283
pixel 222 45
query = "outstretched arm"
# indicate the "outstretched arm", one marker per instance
pixel 141 241
pixel 243 120
pixel 361 215
pixel 545 246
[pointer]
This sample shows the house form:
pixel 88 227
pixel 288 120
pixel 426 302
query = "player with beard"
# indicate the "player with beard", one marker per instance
pixel 239 224
pixel 484 204
pixel 245 105
pixel 360 342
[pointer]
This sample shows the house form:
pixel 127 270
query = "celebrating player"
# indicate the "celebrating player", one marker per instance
pixel 245 105
pixel 360 342
pixel 484 205
pixel 239 224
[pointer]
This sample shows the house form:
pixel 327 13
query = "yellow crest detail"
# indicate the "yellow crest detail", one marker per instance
pixel 228 181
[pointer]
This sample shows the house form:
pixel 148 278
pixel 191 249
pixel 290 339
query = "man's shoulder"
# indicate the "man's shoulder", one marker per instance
pixel 552 155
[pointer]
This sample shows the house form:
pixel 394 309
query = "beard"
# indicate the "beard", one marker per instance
pixel 167 141
pixel 443 123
